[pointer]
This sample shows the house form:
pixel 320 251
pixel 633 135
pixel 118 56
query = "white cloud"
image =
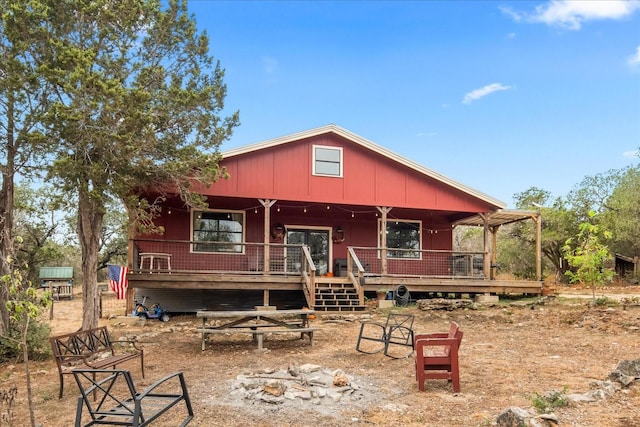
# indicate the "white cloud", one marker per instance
pixel 631 154
pixel 634 60
pixel 571 14
pixel 270 64
pixel 483 91
pixel 516 16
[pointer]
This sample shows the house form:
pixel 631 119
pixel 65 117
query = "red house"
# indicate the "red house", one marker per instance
pixel 321 218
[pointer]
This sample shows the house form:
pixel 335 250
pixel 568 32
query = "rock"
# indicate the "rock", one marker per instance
pixel 274 388
pixel 340 380
pixel 513 417
pixel 443 304
pixel 518 417
pixel 629 367
pixel 578 398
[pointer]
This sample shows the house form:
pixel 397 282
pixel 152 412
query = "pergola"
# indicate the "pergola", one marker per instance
pixel 492 221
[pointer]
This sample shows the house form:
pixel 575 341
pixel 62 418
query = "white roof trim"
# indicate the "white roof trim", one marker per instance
pixel 369 145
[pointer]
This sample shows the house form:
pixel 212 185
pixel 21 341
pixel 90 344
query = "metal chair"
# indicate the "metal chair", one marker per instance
pixel 115 400
pixel 390 337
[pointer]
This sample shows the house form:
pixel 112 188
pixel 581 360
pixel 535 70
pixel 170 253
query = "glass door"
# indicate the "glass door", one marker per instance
pixel 318 242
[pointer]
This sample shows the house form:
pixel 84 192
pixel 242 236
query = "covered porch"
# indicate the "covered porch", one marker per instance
pixel 178 266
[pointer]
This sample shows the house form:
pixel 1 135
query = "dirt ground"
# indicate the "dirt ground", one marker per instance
pixel 510 352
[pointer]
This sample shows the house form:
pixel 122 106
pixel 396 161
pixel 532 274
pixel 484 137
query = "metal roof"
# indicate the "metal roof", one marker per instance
pixel 500 217
pixel 56 273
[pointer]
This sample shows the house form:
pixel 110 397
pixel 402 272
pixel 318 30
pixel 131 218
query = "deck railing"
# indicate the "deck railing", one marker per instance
pixel 196 256
pixel 421 263
pixel 309 274
pixel 274 258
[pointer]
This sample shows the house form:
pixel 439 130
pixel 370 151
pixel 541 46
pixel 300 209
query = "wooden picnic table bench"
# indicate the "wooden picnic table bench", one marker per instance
pixel 257 323
pixel 90 348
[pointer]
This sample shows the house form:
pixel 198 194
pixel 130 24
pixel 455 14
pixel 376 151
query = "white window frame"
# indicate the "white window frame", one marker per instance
pixel 340 161
pixel 228 211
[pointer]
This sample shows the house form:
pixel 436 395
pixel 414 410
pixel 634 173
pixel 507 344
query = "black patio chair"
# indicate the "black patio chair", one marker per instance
pixel 115 401
pixel 390 337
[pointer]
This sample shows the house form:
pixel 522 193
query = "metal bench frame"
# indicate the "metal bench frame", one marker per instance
pixel 396 332
pixel 115 400
pixel 83 348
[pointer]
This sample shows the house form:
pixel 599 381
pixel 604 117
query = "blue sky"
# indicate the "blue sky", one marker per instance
pixel 500 96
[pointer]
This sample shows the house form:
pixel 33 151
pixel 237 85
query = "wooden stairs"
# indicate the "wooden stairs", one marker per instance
pixel 336 294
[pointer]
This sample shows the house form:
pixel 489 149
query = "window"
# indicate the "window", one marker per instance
pixel 403 235
pixel 327 161
pixel 223 229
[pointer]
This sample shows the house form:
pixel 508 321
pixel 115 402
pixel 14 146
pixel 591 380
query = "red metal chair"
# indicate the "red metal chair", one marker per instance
pixel 437 356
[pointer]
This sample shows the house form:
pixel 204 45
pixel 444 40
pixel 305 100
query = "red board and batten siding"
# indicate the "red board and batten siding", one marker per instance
pixel 284 172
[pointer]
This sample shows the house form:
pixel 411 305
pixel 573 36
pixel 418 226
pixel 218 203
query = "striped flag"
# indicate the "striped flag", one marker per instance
pixel 118 280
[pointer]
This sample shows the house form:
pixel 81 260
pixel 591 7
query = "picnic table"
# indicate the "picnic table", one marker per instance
pixel 257 323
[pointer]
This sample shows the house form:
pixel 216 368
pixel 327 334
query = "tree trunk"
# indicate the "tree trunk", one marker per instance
pixel 6 214
pixel 90 220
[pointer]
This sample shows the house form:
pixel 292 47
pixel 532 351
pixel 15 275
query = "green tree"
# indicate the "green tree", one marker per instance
pixel 516 250
pixel 23 97
pixel 138 99
pixel 622 214
pixel 24 306
pixel 35 222
pixel 588 256
pixel 592 193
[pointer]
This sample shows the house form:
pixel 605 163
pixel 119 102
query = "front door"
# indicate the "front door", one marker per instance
pixel 318 242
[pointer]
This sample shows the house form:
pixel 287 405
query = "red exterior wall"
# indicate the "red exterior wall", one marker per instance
pixel 284 172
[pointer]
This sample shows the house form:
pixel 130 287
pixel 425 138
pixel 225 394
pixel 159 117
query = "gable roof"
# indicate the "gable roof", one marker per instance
pixel 356 139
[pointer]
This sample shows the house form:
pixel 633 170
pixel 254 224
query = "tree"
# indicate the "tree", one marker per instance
pixel 34 215
pixel 587 259
pixel 593 192
pixel 24 306
pixel 622 214
pixel 137 104
pixel 23 97
pixel 559 223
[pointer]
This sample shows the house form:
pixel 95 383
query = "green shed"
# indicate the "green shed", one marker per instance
pixel 59 280
pixel 56 274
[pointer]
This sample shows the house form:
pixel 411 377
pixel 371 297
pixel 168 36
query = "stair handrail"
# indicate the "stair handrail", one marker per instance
pixel 309 275
pixel 352 259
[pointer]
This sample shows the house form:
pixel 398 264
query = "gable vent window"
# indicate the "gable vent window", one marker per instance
pixel 327 161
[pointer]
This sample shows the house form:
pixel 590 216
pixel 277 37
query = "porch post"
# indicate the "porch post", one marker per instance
pixel 494 251
pixel 384 210
pixel 538 220
pixel 266 203
pixel 486 243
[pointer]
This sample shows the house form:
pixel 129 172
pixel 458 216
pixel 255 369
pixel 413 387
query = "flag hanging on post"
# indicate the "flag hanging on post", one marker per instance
pixel 118 280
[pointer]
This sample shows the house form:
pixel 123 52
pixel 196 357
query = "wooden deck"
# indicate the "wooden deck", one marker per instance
pixel 266 282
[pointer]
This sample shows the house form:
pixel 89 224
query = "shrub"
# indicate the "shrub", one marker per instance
pixel 545 403
pixel 37 342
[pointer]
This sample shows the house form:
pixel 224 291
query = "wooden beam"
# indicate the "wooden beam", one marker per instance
pixel 538 220
pixel 487 249
pixel 384 210
pixel 266 204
